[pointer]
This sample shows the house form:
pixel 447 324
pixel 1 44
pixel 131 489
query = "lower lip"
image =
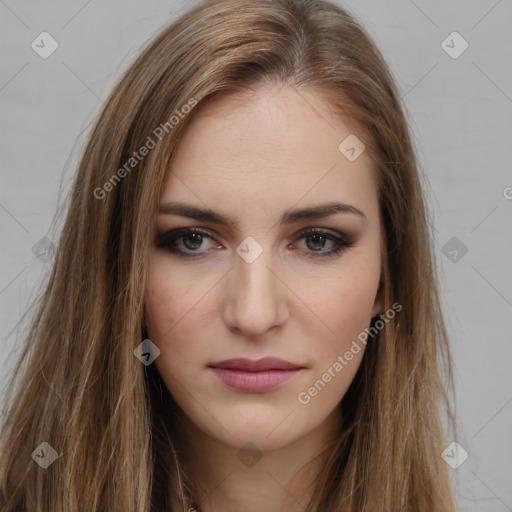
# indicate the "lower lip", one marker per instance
pixel 254 381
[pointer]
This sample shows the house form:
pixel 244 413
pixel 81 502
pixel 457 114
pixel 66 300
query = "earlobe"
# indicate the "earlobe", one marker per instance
pixel 378 305
pixel 377 310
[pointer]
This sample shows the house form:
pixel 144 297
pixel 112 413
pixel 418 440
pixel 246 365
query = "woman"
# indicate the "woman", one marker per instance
pixel 243 312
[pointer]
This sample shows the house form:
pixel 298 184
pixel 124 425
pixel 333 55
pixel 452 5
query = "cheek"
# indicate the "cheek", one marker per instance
pixel 168 298
pixel 164 305
pixel 176 322
pixel 336 356
pixel 344 309
pixel 345 301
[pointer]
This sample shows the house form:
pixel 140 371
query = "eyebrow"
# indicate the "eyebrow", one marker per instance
pixel 289 216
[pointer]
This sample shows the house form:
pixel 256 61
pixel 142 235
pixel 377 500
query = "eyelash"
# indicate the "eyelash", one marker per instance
pixel 342 242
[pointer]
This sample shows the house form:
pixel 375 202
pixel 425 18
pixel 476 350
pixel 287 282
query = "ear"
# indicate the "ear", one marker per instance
pixel 378 305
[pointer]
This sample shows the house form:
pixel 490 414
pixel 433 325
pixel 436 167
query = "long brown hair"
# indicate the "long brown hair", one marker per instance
pixel 78 386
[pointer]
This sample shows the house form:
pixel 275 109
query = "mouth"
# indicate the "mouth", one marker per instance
pixel 255 375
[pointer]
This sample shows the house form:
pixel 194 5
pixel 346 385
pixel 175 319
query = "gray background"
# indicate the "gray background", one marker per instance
pixel 460 115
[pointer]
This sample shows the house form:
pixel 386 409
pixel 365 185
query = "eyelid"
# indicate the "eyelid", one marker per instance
pixel 176 233
pixel 320 230
pixel 165 239
pixel 212 233
pixel 342 240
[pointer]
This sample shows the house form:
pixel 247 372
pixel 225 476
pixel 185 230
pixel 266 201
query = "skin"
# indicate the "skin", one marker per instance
pixel 251 156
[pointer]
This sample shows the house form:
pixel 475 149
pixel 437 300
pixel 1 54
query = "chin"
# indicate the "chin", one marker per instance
pixel 265 430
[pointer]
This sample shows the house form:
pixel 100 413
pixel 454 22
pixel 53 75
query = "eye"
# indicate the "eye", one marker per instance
pixel 185 242
pixel 317 238
pixel 190 242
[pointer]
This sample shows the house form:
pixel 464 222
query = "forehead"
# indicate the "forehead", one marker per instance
pixel 267 149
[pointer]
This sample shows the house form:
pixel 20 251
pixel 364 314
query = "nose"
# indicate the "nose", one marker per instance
pixel 255 299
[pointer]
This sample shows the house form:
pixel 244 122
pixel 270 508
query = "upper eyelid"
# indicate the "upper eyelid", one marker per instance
pixel 207 232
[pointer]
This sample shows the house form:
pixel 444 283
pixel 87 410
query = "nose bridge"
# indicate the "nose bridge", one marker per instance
pixel 254 302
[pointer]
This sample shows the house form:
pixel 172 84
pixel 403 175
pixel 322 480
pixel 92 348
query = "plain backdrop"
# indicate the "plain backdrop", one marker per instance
pixel 460 113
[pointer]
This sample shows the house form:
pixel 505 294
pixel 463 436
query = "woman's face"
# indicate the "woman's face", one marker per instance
pixel 251 282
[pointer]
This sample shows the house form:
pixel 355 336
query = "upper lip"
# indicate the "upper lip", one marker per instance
pixel 248 365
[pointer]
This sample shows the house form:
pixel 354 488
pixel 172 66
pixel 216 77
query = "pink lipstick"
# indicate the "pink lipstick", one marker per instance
pixel 254 375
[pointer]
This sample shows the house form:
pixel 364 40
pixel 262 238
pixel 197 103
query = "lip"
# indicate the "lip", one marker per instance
pixel 254 375
pixel 254 365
